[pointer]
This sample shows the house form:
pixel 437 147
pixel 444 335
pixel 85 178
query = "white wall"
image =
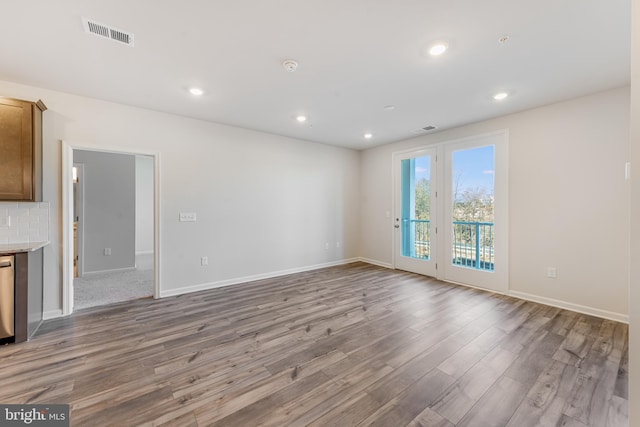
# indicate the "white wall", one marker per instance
pixel 109 210
pixel 567 199
pixel 144 204
pixel 264 203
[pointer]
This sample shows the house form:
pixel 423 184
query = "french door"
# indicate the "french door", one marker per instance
pixel 415 214
pixel 450 211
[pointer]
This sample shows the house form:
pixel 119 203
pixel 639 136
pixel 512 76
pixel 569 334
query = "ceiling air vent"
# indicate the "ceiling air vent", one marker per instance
pixel 425 129
pixel 107 32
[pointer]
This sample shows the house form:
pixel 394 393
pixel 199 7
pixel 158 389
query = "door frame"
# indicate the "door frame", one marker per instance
pixel 420 266
pixel 498 279
pixel 67 215
pixel 443 150
pixel 79 209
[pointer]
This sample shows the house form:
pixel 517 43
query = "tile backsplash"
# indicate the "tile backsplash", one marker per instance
pixel 24 222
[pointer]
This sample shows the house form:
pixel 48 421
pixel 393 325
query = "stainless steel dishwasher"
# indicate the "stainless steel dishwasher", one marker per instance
pixel 6 296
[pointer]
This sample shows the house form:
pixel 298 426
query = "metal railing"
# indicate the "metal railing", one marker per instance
pixel 416 238
pixel 472 242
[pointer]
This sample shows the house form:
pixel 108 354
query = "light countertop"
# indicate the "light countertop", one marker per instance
pixel 21 247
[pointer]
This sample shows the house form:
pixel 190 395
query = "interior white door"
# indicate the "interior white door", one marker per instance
pixel 414 211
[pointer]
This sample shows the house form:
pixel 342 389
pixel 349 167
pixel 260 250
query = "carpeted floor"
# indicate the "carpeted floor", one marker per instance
pixel 107 288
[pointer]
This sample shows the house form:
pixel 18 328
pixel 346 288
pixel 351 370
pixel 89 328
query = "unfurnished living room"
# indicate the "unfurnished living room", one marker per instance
pixel 414 213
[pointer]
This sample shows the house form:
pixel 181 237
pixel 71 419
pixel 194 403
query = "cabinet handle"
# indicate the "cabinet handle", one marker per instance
pixel 6 264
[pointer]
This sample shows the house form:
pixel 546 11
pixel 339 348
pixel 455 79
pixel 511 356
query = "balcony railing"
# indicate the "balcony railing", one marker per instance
pixel 416 238
pixel 472 242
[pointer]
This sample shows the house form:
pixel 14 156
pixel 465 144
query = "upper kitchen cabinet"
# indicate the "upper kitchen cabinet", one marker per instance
pixel 21 150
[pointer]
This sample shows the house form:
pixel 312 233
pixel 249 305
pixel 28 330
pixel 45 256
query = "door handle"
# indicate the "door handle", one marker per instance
pixel 396 226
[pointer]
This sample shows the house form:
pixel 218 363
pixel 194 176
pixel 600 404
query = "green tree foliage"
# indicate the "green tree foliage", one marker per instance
pixel 423 199
pixel 473 205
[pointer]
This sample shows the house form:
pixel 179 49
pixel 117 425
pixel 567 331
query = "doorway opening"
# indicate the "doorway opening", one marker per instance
pixel 110 226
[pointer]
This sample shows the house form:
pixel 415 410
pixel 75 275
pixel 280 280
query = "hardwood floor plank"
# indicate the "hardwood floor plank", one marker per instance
pixel 545 401
pixel 428 418
pixel 497 406
pixel 589 402
pixel 535 358
pixel 464 359
pixel 348 345
pixel 618 412
pixel 412 401
pixel 456 402
pixel 622 382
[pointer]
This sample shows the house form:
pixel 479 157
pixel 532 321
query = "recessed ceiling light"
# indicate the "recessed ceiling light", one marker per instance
pixel 389 107
pixel 196 91
pixel 500 96
pixel 368 135
pixel 301 118
pixel 438 48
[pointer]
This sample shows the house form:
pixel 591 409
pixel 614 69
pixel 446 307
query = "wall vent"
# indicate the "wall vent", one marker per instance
pixel 107 32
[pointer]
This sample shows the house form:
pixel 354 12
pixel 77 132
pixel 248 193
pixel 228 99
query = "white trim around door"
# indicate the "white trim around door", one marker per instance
pixel 67 216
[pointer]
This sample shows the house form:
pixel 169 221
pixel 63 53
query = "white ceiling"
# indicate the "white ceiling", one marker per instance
pixel 355 57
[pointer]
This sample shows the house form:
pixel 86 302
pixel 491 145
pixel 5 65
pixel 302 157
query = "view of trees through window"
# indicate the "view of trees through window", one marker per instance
pixel 472 191
pixel 473 185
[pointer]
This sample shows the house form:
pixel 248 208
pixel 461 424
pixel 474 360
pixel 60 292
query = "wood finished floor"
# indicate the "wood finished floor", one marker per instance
pixel 342 346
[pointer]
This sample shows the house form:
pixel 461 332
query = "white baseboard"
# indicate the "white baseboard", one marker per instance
pixel 245 279
pixel 53 314
pixel 115 270
pixel 374 262
pixel 618 317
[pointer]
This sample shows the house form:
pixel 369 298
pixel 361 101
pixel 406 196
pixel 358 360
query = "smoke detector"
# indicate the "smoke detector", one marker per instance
pixel 290 65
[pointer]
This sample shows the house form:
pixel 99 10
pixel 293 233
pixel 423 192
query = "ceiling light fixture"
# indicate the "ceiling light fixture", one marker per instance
pixel 368 135
pixel 301 118
pixel 196 91
pixel 389 107
pixel 500 96
pixel 438 48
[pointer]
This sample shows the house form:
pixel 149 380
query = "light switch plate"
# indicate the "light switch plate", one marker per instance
pixel 187 216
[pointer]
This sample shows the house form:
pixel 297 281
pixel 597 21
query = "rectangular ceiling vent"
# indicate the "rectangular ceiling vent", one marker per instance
pixel 425 129
pixel 107 32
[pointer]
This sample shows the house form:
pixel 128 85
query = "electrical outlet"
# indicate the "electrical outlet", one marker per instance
pixel 107 251
pixel 187 216
pixel 5 221
pixel 204 260
pixel 552 272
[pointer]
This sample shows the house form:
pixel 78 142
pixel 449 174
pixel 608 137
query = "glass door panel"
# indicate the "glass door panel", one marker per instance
pixel 472 207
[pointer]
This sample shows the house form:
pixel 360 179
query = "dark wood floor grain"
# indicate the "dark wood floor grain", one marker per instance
pixel 341 346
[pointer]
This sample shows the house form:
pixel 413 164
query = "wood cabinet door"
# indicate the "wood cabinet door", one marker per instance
pixel 16 150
